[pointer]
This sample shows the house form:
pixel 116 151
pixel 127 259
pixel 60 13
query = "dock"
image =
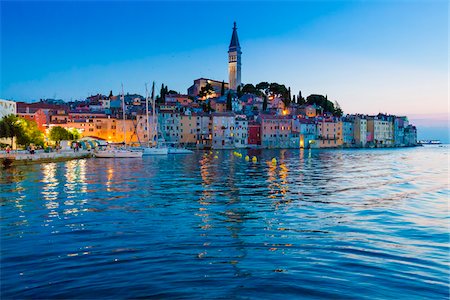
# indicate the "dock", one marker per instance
pixel 24 158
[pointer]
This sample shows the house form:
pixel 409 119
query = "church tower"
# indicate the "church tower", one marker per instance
pixel 234 61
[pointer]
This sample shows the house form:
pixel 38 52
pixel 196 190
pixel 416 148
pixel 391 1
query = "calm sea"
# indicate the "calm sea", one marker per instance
pixel 319 224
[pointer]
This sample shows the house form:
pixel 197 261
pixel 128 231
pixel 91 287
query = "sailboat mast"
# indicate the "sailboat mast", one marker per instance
pixel 123 116
pixel 146 112
pixel 155 130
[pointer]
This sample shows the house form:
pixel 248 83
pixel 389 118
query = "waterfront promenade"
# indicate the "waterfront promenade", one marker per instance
pixel 24 157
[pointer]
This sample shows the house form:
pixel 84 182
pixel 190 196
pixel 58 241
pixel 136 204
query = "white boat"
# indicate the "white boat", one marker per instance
pixel 119 153
pixel 158 149
pixel 116 153
pixel 155 151
pixel 176 149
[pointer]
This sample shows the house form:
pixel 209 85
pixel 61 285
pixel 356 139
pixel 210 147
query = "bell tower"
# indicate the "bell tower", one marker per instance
pixel 234 61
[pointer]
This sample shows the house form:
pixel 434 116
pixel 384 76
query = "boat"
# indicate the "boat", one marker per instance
pixel 429 142
pixel 175 148
pixel 158 148
pixel 119 153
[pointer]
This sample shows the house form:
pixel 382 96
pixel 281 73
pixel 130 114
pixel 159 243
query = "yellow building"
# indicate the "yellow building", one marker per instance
pixel 329 133
pixel 188 129
pixel 109 129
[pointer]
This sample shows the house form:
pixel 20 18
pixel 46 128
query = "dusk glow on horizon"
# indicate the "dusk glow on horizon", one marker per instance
pixel 371 56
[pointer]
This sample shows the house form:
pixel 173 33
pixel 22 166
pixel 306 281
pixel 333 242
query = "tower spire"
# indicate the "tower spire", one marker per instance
pixel 234 60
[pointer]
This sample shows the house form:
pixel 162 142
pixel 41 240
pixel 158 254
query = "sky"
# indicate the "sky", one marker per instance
pixel 371 56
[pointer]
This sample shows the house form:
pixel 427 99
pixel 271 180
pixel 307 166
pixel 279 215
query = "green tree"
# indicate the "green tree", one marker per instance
pixel 239 91
pixel 337 110
pixel 10 128
pixel 206 90
pixel 249 89
pixel 30 133
pixel 322 101
pixel 229 102
pixel 222 89
pixel 264 108
pixel 59 133
pixel 263 87
pixel 300 99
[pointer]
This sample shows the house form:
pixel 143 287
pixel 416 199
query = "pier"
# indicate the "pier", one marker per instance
pixel 25 158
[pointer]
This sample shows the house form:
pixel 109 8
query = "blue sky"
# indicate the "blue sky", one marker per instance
pixel 370 56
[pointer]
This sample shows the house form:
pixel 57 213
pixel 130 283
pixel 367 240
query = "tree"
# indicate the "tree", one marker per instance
pixel 300 99
pixel 264 108
pixel 337 110
pixel 59 133
pixel 10 128
pixel 249 89
pixel 206 90
pixel 30 133
pixel 229 102
pixel 263 87
pixel 162 94
pixel 222 89
pixel 110 95
pixel 321 101
pixel 293 99
pixel 239 92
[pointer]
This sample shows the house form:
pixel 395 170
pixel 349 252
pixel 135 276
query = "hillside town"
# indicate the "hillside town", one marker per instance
pixel 215 114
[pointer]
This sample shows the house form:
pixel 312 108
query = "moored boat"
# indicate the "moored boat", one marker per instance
pixel 117 153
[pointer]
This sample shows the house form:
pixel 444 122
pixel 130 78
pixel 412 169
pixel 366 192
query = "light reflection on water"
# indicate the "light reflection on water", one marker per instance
pixel 332 224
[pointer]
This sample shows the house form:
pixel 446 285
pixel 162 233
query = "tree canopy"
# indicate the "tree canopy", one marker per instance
pixel 59 133
pixel 25 131
pixel 10 127
pixel 206 90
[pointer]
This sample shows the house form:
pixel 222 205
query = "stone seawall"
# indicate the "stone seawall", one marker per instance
pixel 23 158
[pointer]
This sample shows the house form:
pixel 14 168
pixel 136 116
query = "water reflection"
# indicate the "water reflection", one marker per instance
pixel 222 225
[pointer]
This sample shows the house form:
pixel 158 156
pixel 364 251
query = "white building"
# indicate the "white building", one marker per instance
pixel 223 125
pixel 241 132
pixel 7 107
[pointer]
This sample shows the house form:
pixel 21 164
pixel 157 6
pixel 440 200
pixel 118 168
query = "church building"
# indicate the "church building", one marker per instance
pixel 234 71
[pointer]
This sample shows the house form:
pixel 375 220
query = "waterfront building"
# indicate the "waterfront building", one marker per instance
pixel 307 132
pixel 329 130
pixel 7 108
pixel 143 135
pixel 400 123
pixel 188 129
pixel 380 130
pixel 359 129
pixel 169 123
pixel 410 135
pixel 276 131
pixel 204 130
pixel 234 60
pixel 348 132
pixel 241 132
pixel 223 130
pixel 254 134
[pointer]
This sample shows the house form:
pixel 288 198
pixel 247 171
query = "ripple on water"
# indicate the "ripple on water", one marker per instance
pixel 318 224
